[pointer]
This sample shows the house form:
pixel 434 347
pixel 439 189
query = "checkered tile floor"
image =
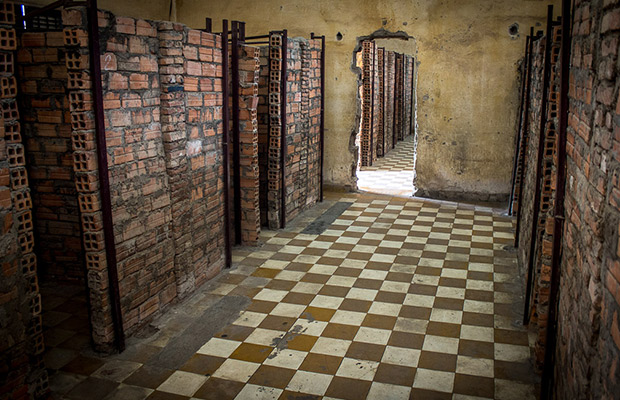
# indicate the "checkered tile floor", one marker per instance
pixel 399 298
pixel 392 174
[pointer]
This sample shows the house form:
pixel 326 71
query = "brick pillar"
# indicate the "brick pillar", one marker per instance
pixel 87 175
pixel 21 339
pixel 389 100
pixel 380 100
pixel 366 158
pixel 274 173
pixel 249 66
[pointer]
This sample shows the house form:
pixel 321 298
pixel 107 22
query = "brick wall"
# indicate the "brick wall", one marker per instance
pixel 46 126
pixel 588 353
pixel 380 100
pixel 303 121
pixel 366 96
pixel 389 101
pixel 398 97
pixel 408 96
pixel 249 70
pixel 263 130
pixel 22 373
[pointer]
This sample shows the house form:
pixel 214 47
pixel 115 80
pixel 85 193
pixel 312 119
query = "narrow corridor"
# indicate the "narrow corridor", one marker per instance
pixel 396 298
pixel 392 174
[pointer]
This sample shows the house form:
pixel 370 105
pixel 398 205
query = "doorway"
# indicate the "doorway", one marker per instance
pixel 386 132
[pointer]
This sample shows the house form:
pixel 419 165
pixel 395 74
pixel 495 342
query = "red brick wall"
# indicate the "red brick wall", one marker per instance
pixel 398 96
pixel 380 99
pixel 366 97
pixel 389 100
pixel 588 354
pixel 303 121
pixel 249 64
pixel 263 131
pixel 46 123
pixel 23 374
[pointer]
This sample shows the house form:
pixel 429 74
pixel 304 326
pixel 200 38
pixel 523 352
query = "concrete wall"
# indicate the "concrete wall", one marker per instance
pixel 468 72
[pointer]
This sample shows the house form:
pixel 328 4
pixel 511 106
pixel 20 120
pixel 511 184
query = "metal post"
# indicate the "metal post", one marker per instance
pixel 559 211
pixel 283 132
pixel 208 25
pixel 539 163
pixel 104 181
pixel 519 127
pixel 225 144
pixel 234 56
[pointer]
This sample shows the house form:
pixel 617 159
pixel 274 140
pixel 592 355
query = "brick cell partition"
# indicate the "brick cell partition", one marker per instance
pixel 377 118
pixel 249 70
pixel 366 125
pixel 398 97
pixel 380 100
pixel 542 281
pixel 303 122
pixel 408 97
pixel 46 122
pixel 21 340
pixel 274 153
pixel 527 199
pixel 263 130
pixel 588 353
pixel 389 101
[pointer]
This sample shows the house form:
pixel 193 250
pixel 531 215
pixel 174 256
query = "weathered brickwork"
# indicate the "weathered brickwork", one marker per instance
pixel 588 353
pixel 22 373
pixel 398 97
pixel 86 175
pixel 377 118
pixel 366 93
pixel 388 118
pixel 46 125
pixel 408 97
pixel 303 122
pixel 531 151
pixel 249 69
pixel 380 100
pixel 263 130
pixel 274 153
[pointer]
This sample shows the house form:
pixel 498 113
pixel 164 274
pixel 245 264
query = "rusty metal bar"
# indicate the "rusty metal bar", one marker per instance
pixel 104 180
pixel 225 144
pixel 519 126
pixel 257 37
pixel 283 149
pixel 559 211
pixel 526 132
pixel 234 57
pixel 539 163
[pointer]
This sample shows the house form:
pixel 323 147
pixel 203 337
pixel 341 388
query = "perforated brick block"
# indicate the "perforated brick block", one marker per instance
pixel 9 110
pixel 28 264
pixel 86 182
pixel 8 40
pixel 96 261
pixel 92 222
pixel 6 64
pixel 78 80
pixel 84 161
pixel 89 202
pixel 8 87
pixel 12 133
pixel 26 242
pixel 7 13
pixel 93 241
pixel 19 178
pixel 83 140
pixel 22 200
pixel 76 61
pixel 15 153
pixel 24 222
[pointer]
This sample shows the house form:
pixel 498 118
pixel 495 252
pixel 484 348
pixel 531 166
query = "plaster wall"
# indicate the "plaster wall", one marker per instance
pixel 468 79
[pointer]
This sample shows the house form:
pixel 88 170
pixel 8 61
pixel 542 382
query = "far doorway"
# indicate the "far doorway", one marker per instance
pixel 386 134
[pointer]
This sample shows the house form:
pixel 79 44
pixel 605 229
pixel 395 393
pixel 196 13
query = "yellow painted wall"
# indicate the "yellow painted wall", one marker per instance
pixel 467 83
pixel 152 9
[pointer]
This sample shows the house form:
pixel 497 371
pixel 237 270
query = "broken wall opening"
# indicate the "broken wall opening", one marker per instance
pixel 387 79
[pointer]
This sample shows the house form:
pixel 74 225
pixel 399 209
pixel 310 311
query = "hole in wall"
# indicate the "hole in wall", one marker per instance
pixel 339 36
pixel 373 176
pixel 513 30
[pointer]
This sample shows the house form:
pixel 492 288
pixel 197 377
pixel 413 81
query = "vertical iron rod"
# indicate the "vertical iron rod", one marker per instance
pixel 559 211
pixel 234 56
pixel 525 135
pixel 226 143
pixel 283 149
pixel 539 163
pixel 519 128
pixel 104 180
pixel 208 25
